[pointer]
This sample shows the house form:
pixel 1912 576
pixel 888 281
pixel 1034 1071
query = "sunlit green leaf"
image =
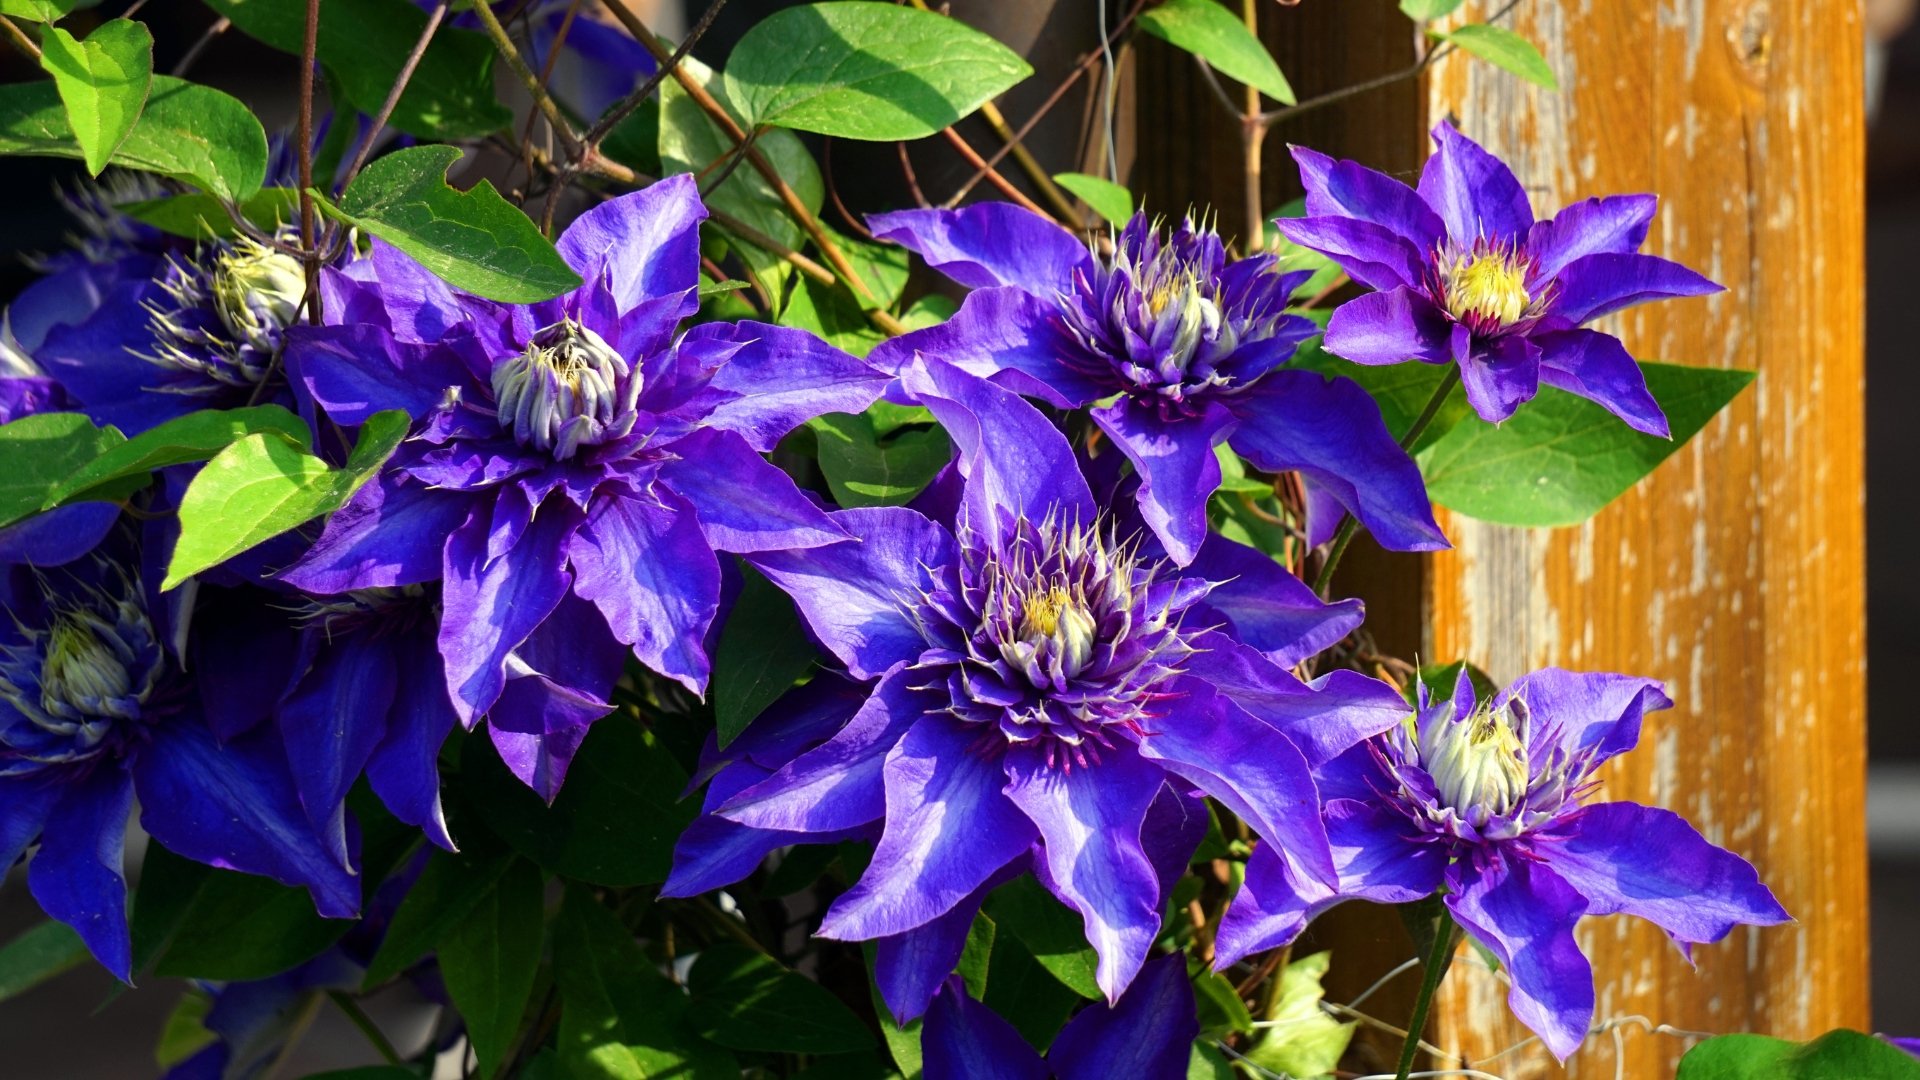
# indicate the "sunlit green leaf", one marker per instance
pixel 1837 1055
pixel 38 453
pixel 862 70
pixel 1108 199
pixel 1303 1040
pixel 1506 50
pixel 867 467
pixel 190 132
pixel 103 81
pixel 185 1035
pixel 194 437
pixel 1053 932
pixel 1208 30
pixel 1428 10
pixel 198 215
pixel 45 11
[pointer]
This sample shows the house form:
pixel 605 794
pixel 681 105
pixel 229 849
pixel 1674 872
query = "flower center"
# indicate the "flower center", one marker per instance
pixel 1486 288
pixel 1056 629
pixel 1479 763
pixel 567 390
pixel 257 292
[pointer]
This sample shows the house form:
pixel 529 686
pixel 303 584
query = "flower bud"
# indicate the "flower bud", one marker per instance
pixel 257 292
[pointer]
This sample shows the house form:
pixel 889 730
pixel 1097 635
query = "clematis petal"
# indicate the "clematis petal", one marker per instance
pixel 1373 255
pixel 1596 285
pixel 1349 189
pixel 1390 327
pixel 776 378
pixel 1525 913
pixel 646 566
pixel 910 968
pixel 964 1040
pixel 1596 367
pixel 649 239
pixel 1473 191
pixel 988 244
pixel 838 784
pixel 1017 464
pixel 392 532
pixel 1595 712
pixel 1176 464
pixel 1322 718
pixel 1252 768
pixel 1271 610
pixel 1615 224
pixel 1089 808
pixel 404 767
pixel 1006 335
pixel 1499 375
pixel 1148 1034
pixel 417 305
pixel 331 723
pixel 489 607
pixel 855 595
pixel 539 759
pixel 58 536
pixel 358 370
pixel 1176 823
pixel 247 654
pixel 948 829
pixel 1624 857
pixel 714 852
pixel 101 360
pixel 233 805
pixel 24 805
pixel 1331 432
pixel 743 503
pixel 77 875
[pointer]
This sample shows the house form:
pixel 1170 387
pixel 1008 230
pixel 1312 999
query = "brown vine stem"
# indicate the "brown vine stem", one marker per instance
pixel 20 38
pixel 220 26
pixel 633 101
pixel 1253 135
pixel 1002 183
pixel 788 198
pixel 303 131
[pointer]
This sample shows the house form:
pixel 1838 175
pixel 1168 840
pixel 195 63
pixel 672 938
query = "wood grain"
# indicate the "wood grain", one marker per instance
pixel 1735 572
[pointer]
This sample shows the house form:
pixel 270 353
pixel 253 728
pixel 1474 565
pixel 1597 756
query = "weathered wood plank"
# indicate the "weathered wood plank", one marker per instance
pixel 1736 571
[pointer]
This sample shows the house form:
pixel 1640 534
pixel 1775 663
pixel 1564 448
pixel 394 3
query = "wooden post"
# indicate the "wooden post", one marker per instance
pixel 1735 572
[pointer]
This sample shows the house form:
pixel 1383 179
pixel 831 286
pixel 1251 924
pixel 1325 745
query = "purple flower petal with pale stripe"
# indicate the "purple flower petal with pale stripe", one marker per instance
pixel 1349 189
pixel 1147 1035
pixel 743 503
pixel 1005 335
pixel 1271 610
pixel 404 768
pixel 649 240
pixel 1596 367
pixel 1602 284
pixel 490 606
pixel 1594 711
pixel 1373 255
pixel 1525 913
pixel 1322 718
pixel 1615 224
pixel 1390 327
pixel 1176 465
pixel 988 244
pixel 1501 376
pixel 356 371
pixel 1473 191
pixel 777 378
pixel 649 570
pixel 910 968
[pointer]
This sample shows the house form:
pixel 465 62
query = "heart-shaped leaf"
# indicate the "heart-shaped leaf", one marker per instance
pixel 1108 199
pixel 103 81
pixel 1506 50
pixel 193 437
pixel 1211 32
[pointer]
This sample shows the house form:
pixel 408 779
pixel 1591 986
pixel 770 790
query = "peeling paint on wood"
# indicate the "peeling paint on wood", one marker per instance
pixel 1735 572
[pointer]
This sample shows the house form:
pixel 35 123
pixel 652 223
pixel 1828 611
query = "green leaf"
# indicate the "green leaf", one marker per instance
pixel 622 1019
pixel 364 43
pixel 831 314
pixel 1049 929
pixel 45 11
pixel 490 958
pixel 745 1000
pixel 1506 50
pixel 930 310
pixel 690 142
pixel 1025 993
pixel 1233 475
pixel 474 240
pixel 614 823
pixel 976 955
pixel 1207 1063
pixel 1221 1010
pixel 883 267
pixel 265 484
pixel 1208 30
pixel 446 892
pixel 168 885
pixel 870 71
pixel 246 927
pixel 1429 10
pixel 1561 458
pixel 903 1043
pixel 38 452
pixel 103 81
pixel 38 954
pixel 1108 199
pixel 1303 1040
pixel 763 651
pixel 635 141
pixel 198 215
pixel 1440 679
pixel 1837 1055
pixel 862 470
pixel 185 1035
pixel 193 133
pixel 193 437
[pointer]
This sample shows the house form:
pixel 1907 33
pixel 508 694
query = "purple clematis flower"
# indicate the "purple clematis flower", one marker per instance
pixel 94 708
pixel 1466 275
pixel 1484 799
pixel 1034 684
pixel 1147 1035
pixel 1189 350
pixel 573 466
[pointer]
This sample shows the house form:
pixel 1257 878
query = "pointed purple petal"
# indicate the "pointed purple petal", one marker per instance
pixel 24 804
pixel 713 852
pixel 1614 224
pixel 1271 610
pixel 404 767
pixel 949 828
pixel 77 874
pixel 331 724
pixel 1501 375
pixel 489 607
pixel 649 238
pixel 234 806
pixel 743 503
pixel 1373 255
pixel 1602 284
pixel 1331 432
pixel 1322 718
pixel 1176 824
pixel 1596 367
pixel 1176 464
pixel 1586 711
pixel 1473 191
pixel 1147 1035
pixel 1643 861
pixel 964 1040
pixel 648 569
pixel 418 305
pixel 1089 811
pixel 777 378
pixel 1525 913
pixel 539 759
pixel 838 784
pixel 246 653
pixel 1005 335
pixel 1349 189
pixel 854 595
pixel 356 371
pixel 1016 463
pixel 58 536
pixel 1390 327
pixel 988 244
pixel 392 532
pixel 910 968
